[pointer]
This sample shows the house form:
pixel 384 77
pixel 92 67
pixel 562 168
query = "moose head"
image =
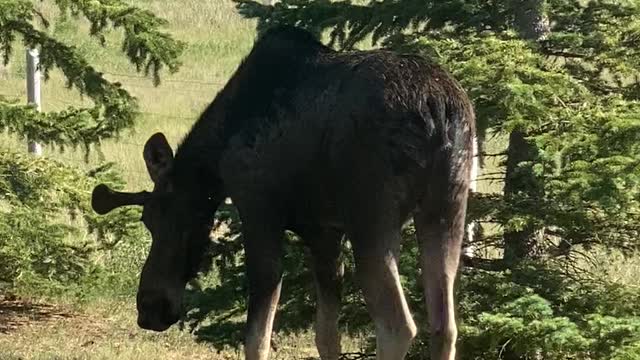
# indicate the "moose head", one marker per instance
pixel 179 217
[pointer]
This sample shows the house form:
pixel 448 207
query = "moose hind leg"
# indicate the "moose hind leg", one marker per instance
pixel 375 252
pixel 440 233
pixel 327 270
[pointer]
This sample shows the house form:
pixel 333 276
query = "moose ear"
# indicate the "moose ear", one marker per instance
pixel 158 156
pixel 104 199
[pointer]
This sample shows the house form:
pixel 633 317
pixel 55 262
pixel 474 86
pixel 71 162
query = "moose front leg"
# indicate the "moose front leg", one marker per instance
pixel 263 248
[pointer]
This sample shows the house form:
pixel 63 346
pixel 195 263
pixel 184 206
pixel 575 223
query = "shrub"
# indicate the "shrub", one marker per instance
pixel 44 214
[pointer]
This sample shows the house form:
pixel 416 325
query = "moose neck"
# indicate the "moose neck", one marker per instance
pixel 197 156
pixel 272 63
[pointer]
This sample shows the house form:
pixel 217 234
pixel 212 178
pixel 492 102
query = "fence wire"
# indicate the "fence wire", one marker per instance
pixel 179 81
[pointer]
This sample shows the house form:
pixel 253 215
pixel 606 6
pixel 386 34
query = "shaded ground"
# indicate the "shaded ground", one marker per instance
pixel 15 313
pixel 107 330
pixel 31 330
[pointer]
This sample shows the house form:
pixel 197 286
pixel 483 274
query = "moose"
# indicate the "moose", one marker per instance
pixel 325 144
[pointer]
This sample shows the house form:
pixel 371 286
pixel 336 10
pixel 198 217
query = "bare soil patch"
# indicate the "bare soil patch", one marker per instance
pixel 16 312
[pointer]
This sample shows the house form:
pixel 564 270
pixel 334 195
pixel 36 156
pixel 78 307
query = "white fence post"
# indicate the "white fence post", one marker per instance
pixel 268 2
pixel 33 91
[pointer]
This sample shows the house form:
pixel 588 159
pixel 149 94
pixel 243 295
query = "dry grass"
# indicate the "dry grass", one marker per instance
pixel 42 331
pixel 615 266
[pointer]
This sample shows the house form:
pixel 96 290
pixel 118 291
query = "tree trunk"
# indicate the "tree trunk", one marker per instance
pixel 533 24
pixel 531 19
pixel 521 184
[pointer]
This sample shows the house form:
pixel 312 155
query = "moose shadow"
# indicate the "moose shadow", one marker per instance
pixel 15 313
pixel 216 315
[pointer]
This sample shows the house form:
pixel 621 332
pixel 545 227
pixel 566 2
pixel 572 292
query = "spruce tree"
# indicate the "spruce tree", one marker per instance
pixel 559 79
pixel 558 82
pixel 532 24
pixel 35 194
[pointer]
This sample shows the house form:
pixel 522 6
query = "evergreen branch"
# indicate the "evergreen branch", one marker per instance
pixel 144 44
pixel 48 187
pixel 562 53
pixel 351 23
pixel 113 103
pixel 483 264
pixel 68 127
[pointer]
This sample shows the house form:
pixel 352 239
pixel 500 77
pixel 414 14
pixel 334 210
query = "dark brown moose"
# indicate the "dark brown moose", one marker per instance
pixel 324 144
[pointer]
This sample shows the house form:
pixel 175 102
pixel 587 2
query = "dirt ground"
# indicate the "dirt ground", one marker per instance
pixel 16 313
pixel 37 330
